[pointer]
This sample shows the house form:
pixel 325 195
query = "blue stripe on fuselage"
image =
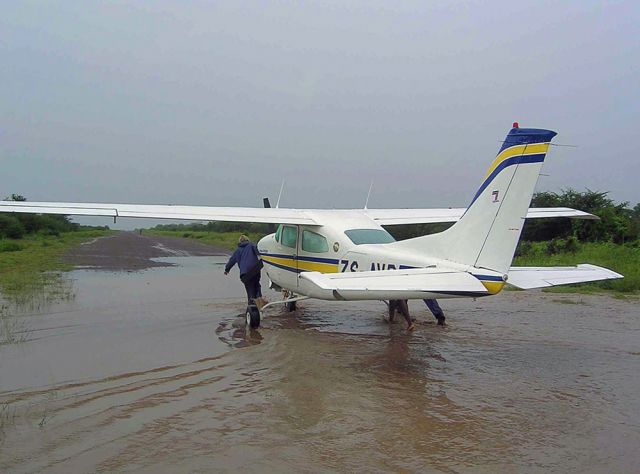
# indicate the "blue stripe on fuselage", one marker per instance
pixel 488 277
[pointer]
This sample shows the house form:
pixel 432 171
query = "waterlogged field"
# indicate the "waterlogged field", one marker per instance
pixel 27 264
pixel 31 278
pixel 152 371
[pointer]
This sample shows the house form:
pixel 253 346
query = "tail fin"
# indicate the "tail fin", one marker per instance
pixel 487 234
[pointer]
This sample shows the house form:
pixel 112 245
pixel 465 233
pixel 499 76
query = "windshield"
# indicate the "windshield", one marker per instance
pixel 369 236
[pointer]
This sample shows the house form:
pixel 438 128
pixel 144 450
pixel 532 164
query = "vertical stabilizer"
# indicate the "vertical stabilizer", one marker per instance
pixel 487 234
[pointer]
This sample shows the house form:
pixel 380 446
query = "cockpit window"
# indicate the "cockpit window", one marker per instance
pixel 369 236
pixel 312 242
pixel 278 233
pixel 289 236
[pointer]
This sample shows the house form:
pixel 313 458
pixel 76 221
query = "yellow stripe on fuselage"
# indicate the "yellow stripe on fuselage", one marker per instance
pixel 286 262
pixel 302 265
pixel 530 149
pixel 317 267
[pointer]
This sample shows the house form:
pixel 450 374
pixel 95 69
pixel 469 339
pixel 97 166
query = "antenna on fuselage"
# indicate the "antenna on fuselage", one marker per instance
pixel 366 203
pixel 280 195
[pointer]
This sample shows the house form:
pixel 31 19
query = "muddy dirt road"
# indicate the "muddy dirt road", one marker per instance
pixel 134 251
pixel 149 371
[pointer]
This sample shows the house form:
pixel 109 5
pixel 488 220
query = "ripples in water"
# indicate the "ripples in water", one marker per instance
pixel 167 378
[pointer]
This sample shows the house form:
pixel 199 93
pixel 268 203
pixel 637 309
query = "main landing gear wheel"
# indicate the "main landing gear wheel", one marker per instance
pixel 253 317
pixel 289 305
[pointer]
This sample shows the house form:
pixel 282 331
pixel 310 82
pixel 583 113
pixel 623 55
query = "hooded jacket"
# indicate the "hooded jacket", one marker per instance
pixel 245 256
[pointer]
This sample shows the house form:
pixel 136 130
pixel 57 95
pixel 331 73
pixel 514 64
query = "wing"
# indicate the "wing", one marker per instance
pixel 256 214
pixel 191 213
pixel 527 278
pixel 433 216
pixel 392 284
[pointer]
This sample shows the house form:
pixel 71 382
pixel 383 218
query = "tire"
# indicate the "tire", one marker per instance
pixel 253 317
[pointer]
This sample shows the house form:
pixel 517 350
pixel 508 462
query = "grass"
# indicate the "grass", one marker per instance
pixel 624 259
pixel 28 265
pixel 13 330
pixel 7 418
pixel 10 246
pixel 226 240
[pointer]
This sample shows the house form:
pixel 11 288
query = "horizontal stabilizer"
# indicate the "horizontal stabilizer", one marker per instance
pixel 392 284
pixel 527 278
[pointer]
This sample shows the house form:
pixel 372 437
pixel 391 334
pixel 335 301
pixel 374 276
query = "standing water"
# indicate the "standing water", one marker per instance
pixel 153 371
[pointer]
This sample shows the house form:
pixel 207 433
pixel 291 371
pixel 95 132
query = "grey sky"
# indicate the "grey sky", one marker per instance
pixel 214 103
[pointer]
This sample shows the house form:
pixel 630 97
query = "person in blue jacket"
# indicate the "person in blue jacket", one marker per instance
pixel 247 257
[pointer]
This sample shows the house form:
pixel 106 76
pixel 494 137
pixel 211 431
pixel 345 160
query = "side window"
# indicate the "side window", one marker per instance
pixel 312 242
pixel 289 236
pixel 278 233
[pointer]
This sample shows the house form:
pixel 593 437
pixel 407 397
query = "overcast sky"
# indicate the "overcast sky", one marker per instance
pixel 214 103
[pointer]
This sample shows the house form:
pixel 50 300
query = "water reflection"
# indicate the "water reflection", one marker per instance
pixel 36 291
pixel 26 294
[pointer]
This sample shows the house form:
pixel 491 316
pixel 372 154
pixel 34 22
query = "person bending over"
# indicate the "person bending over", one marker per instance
pixel 247 257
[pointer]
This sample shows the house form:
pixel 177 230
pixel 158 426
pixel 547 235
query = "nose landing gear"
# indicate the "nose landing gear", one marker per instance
pixel 253 316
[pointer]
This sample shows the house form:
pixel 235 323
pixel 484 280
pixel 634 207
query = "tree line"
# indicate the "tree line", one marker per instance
pixel 618 222
pixel 16 226
pixel 218 227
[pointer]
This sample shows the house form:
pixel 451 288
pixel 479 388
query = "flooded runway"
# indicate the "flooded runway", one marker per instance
pixel 151 371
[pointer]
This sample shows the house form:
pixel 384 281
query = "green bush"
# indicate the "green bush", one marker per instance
pixel 570 245
pixel 553 246
pixel 524 248
pixel 618 223
pixel 10 246
pixel 11 227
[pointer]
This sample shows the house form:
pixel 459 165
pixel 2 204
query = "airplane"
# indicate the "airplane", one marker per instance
pixel 346 255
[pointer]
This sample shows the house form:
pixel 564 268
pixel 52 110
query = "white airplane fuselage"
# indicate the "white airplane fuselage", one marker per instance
pixel 286 259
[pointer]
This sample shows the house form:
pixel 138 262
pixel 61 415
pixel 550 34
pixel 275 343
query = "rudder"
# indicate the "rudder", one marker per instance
pixel 487 234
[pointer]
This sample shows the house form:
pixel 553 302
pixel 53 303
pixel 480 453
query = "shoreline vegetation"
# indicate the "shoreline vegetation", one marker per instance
pixel 31 250
pixel 29 264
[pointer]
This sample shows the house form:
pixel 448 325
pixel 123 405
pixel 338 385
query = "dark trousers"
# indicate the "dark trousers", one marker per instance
pixel 435 308
pixel 402 307
pixel 252 285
